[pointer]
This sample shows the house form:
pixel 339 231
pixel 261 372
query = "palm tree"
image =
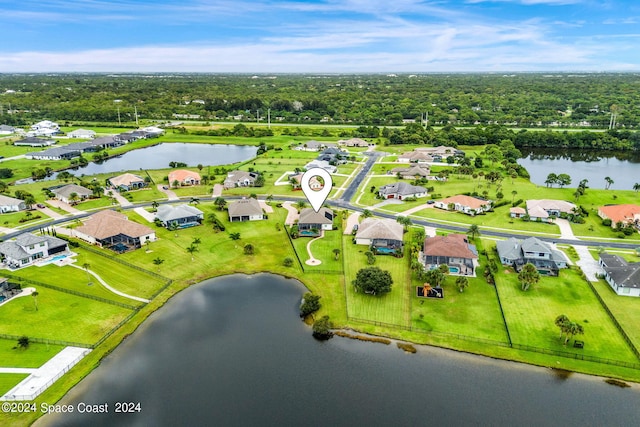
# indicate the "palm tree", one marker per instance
pixel 157 261
pixel 336 253
pixel 73 198
pixel 528 276
pixel 462 282
pixel 636 187
pixel 155 205
pixel 405 221
pixel 192 249
pixel 366 213
pixel 573 328
pixel 609 182
pixel 248 249
pixel 195 201
pixel 474 230
pixel 86 267
pixel 196 241
pixel 220 203
pixel 23 341
pixel 513 195
pixel 234 236
pixel 35 294
pixel 301 204
pixel 561 322
pixel 269 198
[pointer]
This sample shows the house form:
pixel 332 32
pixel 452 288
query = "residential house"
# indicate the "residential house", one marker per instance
pixel 125 138
pixel 6 130
pixel 415 157
pixel 441 152
pixel 622 276
pixel 184 177
pixel 45 124
pixel 466 204
pixel 180 216
pixel 544 256
pixel 126 182
pixel 27 248
pixel 332 155
pixel 153 131
pixel 553 208
pixel 82 133
pixel 322 164
pixel 58 153
pixel 11 204
pixel 311 222
pixel 401 190
pixel 453 250
pixel 32 141
pixel 315 146
pixel 413 172
pixel 382 235
pixel 517 212
pixel 245 210
pixel 240 179
pixel 354 142
pixel 65 192
pixel 625 214
pixel 296 180
pixel 113 230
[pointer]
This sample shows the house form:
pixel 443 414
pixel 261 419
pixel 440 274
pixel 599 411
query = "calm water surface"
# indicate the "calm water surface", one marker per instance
pixel 232 352
pixel 622 167
pixel 159 156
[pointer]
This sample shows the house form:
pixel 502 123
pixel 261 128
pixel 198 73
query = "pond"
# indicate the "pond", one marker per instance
pixel 232 351
pixel 622 167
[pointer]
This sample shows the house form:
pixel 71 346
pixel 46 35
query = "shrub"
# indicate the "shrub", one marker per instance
pixel 288 262
pixel 310 304
pixel 322 328
pixel 606 222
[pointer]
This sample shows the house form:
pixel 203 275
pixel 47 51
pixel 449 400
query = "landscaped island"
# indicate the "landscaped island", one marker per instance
pixel 127 261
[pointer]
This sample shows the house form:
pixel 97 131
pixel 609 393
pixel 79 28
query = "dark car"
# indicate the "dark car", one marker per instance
pixel 430 202
pixel 164 187
pixel 40 206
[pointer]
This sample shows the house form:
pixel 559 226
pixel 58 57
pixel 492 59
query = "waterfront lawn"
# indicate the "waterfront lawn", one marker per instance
pixel 472 313
pixel 530 315
pixel 60 316
pixel 393 307
pixel 73 279
pixel 9 381
pixel 120 276
pixel 33 356
pixel 322 249
pixel 625 309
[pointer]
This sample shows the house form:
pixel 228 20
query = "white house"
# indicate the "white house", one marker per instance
pixel 401 190
pixel 6 130
pixel 623 277
pixel 322 164
pixel 27 248
pixel 245 210
pixel 10 204
pixel 45 124
pixel 82 133
pixel 65 192
pixel 466 204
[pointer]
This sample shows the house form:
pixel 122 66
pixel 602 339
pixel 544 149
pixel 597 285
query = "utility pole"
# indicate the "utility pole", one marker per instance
pixel 269 118
pixel 258 116
pixel 119 122
pixel 135 110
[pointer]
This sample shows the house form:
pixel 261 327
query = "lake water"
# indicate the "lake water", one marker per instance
pixel 159 156
pixel 622 167
pixel 232 351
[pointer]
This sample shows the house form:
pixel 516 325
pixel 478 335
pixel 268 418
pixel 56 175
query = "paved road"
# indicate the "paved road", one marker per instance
pixel 353 187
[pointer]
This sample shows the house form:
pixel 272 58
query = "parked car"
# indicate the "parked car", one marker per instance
pixel 430 202
pixel 164 187
pixel 40 206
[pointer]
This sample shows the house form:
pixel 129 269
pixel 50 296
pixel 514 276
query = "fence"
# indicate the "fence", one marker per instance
pixel 302 264
pixel 128 264
pixel 558 353
pixel 46 341
pixel 68 291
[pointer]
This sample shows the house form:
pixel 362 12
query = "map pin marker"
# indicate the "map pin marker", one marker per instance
pixel 316 196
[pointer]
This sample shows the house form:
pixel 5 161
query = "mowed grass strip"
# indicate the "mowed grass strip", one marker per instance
pixel 34 356
pixel 322 249
pixel 9 381
pixel 625 309
pixel 60 316
pixel 389 308
pixel 73 279
pixel 530 315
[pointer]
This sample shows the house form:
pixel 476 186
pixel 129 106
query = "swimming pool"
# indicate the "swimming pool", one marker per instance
pixel 58 257
pixel 454 270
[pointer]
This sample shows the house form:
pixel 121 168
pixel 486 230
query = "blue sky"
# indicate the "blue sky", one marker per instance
pixel 289 36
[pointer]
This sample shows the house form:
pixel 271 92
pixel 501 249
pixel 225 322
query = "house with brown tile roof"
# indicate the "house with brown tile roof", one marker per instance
pixel 114 230
pixel 453 250
pixel 465 204
pixel 184 177
pixel 626 214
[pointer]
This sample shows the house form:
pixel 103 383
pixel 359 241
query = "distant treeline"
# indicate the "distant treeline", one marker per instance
pixel 522 100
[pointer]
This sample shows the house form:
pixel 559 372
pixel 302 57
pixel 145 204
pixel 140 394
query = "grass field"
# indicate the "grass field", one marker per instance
pixel 322 249
pixel 33 356
pixel 625 309
pixel 9 381
pixel 530 315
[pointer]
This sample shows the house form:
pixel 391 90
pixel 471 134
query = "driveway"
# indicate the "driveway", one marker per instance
pixel 589 266
pixel 352 220
pixel 267 208
pixel 149 216
pixel 217 190
pixel 64 206
pixel 565 229
pixel 292 213
pixel 171 195
pixel 414 210
pixel 51 213
pixel 121 200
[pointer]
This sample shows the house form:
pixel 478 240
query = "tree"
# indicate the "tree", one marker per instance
pixel 336 253
pixel 196 241
pixel 155 205
pixel 86 267
pixel 195 201
pixel 192 249
pixel 220 203
pixel 528 276
pixel 248 249
pixel 373 281
pixel 405 221
pixel 561 322
pixel 563 180
pixel 322 328
pixel 573 328
pixel 462 282
pixel 435 277
pixel 310 304
pixel 287 262
pixel 301 204
pixel 552 179
pixel 234 236
pixel 609 182
pixel 367 213
pixel 23 342
pixel 157 261
pixel 473 230
pixel 513 195
pixel 35 294
pixel 636 187
pixel 73 197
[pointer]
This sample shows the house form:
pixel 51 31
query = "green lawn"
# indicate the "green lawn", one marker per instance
pixel 60 316
pixel 625 309
pixel 392 307
pixel 530 315
pixel 33 356
pixel 9 381
pixel 322 249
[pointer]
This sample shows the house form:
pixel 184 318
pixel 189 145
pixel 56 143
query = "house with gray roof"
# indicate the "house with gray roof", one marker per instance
pixel 82 133
pixel 180 216
pixel 382 235
pixel 6 130
pixel 32 141
pixel 315 145
pixel 240 179
pixel 401 190
pixel 544 256
pixel 416 171
pixel 65 192
pixel 11 204
pixel 28 248
pixel 311 222
pixel 245 210
pixel 59 153
pixel 622 276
